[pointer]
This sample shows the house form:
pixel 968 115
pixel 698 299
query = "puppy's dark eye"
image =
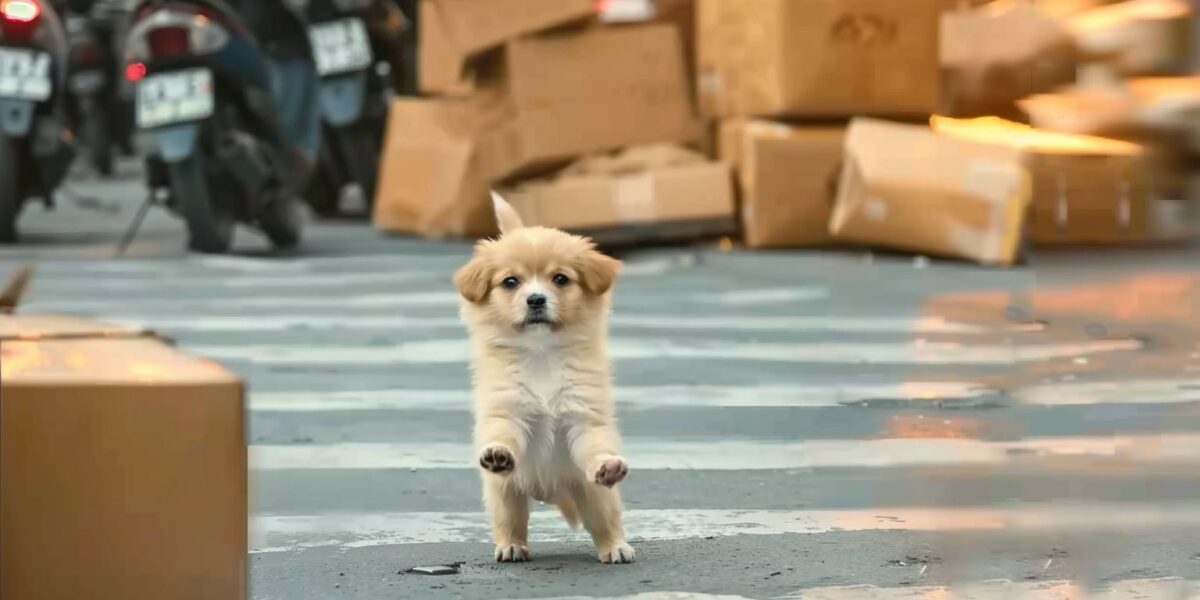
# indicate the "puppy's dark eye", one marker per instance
pixel 560 280
pixel 510 283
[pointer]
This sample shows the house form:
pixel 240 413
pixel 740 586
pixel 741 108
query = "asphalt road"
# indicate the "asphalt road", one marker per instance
pixel 813 425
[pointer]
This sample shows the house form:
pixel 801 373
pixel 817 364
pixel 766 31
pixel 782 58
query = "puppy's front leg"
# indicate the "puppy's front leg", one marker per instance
pixel 595 449
pixel 509 507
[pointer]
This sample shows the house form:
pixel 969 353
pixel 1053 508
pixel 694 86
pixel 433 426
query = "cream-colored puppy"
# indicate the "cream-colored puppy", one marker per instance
pixel 536 302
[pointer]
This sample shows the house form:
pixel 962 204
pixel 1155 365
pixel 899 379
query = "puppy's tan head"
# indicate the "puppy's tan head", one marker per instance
pixel 535 278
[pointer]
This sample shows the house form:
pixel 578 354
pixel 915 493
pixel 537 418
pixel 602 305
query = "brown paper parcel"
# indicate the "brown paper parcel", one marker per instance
pixel 787 177
pixel 122 466
pixel 909 188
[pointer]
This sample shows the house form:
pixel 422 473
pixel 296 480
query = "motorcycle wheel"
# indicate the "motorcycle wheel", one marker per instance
pixel 282 222
pixel 99 141
pixel 210 226
pixel 10 190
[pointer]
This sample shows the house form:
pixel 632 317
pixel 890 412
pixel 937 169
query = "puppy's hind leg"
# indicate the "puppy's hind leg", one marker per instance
pixel 509 508
pixel 600 509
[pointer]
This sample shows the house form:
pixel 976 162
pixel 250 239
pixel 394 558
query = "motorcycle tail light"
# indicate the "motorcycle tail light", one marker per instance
pixel 168 41
pixel 20 11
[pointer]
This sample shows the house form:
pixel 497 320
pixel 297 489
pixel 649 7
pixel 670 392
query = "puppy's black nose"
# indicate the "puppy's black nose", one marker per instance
pixel 536 300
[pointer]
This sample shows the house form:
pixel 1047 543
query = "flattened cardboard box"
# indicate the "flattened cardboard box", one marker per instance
pixel 828 58
pixel 909 188
pixel 122 466
pixel 454 30
pixel 659 202
pixel 787 177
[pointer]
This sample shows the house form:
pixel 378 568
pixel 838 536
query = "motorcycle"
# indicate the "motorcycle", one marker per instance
pixel 100 118
pixel 36 146
pixel 226 95
pixel 357 45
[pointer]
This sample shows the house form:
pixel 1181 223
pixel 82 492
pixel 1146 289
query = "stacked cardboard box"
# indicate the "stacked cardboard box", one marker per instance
pixel 526 86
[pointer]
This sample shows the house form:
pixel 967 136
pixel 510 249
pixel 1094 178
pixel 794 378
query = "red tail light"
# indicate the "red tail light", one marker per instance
pixel 20 11
pixel 169 41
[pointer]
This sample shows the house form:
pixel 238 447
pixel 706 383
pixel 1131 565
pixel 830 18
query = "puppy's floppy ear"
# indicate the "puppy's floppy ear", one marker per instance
pixel 474 280
pixel 597 272
pixel 506 215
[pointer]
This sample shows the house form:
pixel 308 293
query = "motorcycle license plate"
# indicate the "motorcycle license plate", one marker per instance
pixel 174 97
pixel 340 46
pixel 25 74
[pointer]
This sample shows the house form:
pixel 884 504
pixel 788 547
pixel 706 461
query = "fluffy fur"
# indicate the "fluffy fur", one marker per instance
pixel 536 302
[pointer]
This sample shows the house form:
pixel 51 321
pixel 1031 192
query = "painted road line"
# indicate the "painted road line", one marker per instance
pixel 751 455
pixel 380 323
pixel 258 282
pixel 764 297
pixel 807 396
pixel 1171 588
pixel 622 348
pixel 282 533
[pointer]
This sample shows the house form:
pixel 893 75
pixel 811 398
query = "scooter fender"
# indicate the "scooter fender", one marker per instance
pixel 342 98
pixel 16 117
pixel 176 143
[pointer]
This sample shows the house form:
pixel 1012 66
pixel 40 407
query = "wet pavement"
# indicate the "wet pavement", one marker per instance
pixel 798 424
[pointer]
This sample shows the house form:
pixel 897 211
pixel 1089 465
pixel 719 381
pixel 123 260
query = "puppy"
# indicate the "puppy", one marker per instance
pixel 536 302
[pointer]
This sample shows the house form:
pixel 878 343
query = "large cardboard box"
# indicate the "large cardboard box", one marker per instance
pixel 553 97
pixel 1137 37
pixel 787 177
pixel 644 193
pixel 805 58
pixel 994 55
pixel 452 31
pixel 1085 189
pixel 122 466
pixel 909 188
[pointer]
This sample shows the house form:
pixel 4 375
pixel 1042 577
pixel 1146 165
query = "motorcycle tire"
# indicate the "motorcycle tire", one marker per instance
pixel 10 190
pixel 282 222
pixel 99 142
pixel 210 225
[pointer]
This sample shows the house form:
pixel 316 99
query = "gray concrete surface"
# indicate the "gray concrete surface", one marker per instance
pixel 807 423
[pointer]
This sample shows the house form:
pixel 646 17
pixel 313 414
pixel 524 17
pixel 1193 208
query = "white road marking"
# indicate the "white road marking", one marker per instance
pixel 376 323
pixel 783 295
pixel 727 455
pixel 627 397
pixel 1134 391
pixel 621 348
pixel 282 533
pixel 1162 589
pixel 306 281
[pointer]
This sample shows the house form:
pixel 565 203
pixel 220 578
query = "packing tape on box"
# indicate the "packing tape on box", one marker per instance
pixel 634 201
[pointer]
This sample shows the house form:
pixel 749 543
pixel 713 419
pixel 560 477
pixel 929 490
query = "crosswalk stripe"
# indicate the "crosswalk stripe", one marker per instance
pixel 281 533
pixel 624 348
pixel 752 454
pixel 1134 589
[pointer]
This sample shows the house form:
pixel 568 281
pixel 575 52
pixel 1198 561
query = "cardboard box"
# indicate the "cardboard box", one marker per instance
pixel 909 188
pixel 453 31
pixel 828 58
pixel 1085 189
pixel 555 97
pixel 642 193
pixel 1137 37
pixel 787 177
pixel 122 466
pixel 997 54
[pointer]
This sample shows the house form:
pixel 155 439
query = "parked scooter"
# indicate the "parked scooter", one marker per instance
pixel 101 119
pixel 227 93
pixel 357 45
pixel 35 143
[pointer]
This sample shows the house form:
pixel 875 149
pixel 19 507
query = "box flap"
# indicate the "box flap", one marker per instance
pixel 475 25
pixel 992 130
pixel 46 326
pixel 103 361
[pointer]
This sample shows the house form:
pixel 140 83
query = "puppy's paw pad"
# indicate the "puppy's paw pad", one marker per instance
pixel 512 553
pixel 610 471
pixel 617 554
pixel 497 459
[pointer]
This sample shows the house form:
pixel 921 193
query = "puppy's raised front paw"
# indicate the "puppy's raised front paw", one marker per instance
pixel 497 459
pixel 616 554
pixel 610 470
pixel 512 553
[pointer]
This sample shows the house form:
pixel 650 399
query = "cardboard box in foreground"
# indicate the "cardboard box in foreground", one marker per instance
pixel 827 58
pixel 644 193
pixel 787 177
pixel 909 188
pixel 122 466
